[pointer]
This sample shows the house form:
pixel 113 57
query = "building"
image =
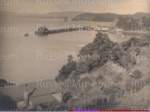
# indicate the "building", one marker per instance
pixel 39 97
pixel 42 101
pixel 117 30
pixel 102 29
pixel 42 31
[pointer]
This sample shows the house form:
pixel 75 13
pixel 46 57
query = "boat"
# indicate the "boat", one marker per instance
pixel 26 35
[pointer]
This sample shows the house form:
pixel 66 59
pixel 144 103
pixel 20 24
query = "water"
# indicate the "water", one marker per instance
pixel 26 59
pixel 119 37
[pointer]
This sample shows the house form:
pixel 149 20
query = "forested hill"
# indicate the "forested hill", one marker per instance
pixel 126 23
pixel 107 17
pixel 78 15
pixel 4 83
pixel 108 75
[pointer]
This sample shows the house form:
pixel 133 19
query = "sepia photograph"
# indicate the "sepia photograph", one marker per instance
pixel 69 55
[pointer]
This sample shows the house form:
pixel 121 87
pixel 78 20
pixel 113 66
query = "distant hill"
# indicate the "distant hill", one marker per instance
pixel 96 17
pixel 4 83
pixel 106 17
pixel 140 15
pixel 77 15
pixel 56 15
pixel 61 15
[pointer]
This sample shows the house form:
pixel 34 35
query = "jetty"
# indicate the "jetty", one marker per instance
pixel 45 31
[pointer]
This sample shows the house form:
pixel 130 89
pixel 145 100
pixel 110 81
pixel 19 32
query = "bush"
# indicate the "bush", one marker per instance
pixel 96 53
pixel 66 70
pixel 136 74
pixel 7 103
pixel 66 97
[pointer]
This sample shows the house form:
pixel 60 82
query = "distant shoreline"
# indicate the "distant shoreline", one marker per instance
pixel 139 33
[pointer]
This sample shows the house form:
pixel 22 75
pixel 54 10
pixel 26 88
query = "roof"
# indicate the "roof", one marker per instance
pixel 45 99
pixel 42 94
pixel 58 97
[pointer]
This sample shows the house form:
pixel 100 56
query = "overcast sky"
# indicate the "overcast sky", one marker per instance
pixel 96 6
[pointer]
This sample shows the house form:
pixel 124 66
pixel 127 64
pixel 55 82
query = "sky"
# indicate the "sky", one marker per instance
pixel 94 6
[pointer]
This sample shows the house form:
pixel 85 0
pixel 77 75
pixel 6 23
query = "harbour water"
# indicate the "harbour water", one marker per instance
pixel 28 58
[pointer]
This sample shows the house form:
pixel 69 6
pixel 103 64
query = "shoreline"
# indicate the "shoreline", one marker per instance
pixel 138 33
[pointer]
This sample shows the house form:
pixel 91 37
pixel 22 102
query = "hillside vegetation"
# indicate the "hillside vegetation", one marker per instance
pixel 7 103
pixel 107 17
pixel 131 24
pixel 108 75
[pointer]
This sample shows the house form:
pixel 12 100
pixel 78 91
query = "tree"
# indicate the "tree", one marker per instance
pixel 66 97
pixel 70 58
pixel 67 69
pixel 96 54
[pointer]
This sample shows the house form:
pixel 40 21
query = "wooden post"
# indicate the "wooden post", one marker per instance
pixel 108 98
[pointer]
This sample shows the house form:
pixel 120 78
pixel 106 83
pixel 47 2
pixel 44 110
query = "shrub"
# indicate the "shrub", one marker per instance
pixel 66 70
pixel 136 74
pixel 7 103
